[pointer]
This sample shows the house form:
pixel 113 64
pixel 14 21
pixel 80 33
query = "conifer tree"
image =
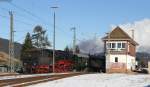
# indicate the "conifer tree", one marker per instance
pixel 27 45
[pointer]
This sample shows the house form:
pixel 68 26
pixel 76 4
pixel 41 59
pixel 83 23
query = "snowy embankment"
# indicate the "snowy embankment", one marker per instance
pixel 100 80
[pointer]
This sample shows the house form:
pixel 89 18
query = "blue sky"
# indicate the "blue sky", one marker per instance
pixel 90 17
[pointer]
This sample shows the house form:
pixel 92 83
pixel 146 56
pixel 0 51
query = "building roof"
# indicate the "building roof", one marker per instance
pixel 119 34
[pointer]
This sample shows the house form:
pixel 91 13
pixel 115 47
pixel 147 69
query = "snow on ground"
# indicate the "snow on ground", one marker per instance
pixel 100 80
pixel 26 76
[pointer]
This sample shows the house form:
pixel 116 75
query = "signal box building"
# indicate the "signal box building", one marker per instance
pixel 120 51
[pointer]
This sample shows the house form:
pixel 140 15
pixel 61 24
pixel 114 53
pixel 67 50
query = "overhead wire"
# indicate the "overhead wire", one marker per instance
pixel 20 15
pixel 33 16
pixel 6 17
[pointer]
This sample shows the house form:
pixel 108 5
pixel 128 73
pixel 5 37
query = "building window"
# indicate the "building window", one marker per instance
pixel 116 59
pixel 109 45
pixel 113 45
pixel 123 45
pixel 116 45
pixel 119 45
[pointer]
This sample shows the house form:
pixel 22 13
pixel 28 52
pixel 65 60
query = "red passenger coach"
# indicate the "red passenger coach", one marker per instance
pixel 64 66
pixel 41 69
pixel 60 67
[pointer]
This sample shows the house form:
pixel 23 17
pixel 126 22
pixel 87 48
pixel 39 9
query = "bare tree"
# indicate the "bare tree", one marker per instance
pixel 39 38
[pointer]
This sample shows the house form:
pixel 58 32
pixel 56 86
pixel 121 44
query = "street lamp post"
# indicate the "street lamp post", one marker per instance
pixel 54 38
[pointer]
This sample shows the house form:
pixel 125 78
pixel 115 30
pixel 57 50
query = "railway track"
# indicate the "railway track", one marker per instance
pixel 9 74
pixel 21 82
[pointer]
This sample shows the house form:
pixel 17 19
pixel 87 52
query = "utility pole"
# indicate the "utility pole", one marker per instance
pixel 11 43
pixel 74 40
pixel 54 16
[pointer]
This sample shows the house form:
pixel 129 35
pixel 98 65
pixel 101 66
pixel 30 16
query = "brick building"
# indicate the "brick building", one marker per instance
pixel 120 51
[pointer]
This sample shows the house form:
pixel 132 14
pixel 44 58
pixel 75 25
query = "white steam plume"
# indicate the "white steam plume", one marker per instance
pixel 92 45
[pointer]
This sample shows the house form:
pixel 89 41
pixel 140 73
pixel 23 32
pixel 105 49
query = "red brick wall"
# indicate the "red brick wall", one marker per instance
pixel 132 49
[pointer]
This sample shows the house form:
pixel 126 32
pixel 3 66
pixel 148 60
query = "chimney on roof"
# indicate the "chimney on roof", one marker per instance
pixel 132 34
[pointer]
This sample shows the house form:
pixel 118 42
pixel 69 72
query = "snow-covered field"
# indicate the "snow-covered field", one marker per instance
pixel 100 80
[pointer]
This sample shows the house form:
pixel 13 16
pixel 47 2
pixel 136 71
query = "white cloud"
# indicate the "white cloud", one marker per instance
pixel 142 33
